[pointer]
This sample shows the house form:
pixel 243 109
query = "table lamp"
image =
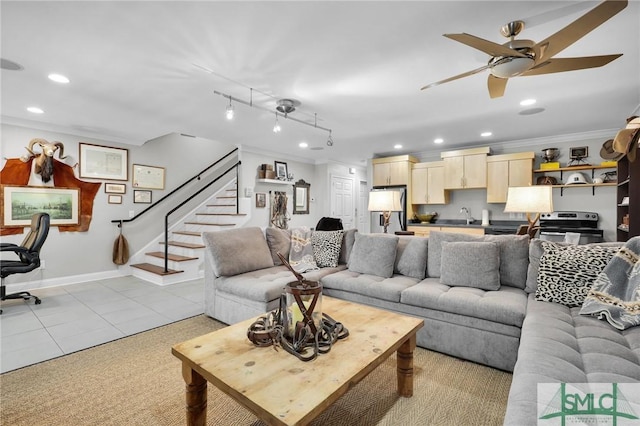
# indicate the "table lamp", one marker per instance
pixel 530 199
pixel 385 202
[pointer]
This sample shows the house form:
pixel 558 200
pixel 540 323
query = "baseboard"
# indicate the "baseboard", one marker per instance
pixel 55 282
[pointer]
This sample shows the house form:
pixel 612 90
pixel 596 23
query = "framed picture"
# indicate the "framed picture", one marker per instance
pixel 149 177
pixel 115 188
pixel 115 199
pixel 19 203
pixel 261 199
pixel 578 152
pixel 103 162
pixel 141 196
pixel 281 170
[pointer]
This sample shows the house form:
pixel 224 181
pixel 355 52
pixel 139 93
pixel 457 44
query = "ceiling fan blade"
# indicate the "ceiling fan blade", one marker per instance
pixel 579 28
pixel 570 64
pixel 496 86
pixel 488 47
pixel 455 77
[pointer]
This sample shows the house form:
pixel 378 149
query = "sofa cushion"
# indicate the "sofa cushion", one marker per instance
pixel 326 247
pixel 514 253
pixel 567 272
pixel 373 286
pixel 373 254
pixel 235 251
pixel 470 264
pixel 507 305
pixel 348 240
pixel 279 240
pixel 301 254
pixel 411 257
pixel 535 251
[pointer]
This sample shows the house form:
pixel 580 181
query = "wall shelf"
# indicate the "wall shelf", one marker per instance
pixel 274 181
pixel 593 186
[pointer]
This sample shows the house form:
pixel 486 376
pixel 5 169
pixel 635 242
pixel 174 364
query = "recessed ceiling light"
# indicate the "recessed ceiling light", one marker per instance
pixel 58 78
pixel 397 146
pixel 527 102
pixel 35 110
pixel 438 140
pixel 303 144
pixel 486 134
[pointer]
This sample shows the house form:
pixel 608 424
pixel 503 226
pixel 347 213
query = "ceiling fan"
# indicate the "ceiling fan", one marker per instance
pixel 525 57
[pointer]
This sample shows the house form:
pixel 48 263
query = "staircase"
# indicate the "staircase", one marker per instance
pixel 186 247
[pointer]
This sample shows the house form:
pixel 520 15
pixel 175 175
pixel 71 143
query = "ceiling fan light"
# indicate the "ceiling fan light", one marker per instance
pixel 506 67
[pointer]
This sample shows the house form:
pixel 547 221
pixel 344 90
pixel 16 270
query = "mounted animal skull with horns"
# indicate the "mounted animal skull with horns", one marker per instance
pixel 44 159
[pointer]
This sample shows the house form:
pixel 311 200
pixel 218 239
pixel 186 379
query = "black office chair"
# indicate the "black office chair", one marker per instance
pixel 329 224
pixel 28 256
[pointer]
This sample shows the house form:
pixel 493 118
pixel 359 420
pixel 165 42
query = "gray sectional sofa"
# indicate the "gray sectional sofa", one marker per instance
pixel 475 295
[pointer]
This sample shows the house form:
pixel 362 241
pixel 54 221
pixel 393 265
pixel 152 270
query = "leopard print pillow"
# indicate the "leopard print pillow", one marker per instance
pixel 326 247
pixel 567 273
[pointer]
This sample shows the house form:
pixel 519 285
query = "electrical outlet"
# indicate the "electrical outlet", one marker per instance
pixel 43 264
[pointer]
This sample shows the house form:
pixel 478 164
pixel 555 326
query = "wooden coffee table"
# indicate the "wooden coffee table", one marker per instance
pixel 282 390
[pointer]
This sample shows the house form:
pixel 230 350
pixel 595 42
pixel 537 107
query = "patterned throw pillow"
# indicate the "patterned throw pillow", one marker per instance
pixel 326 247
pixel 567 272
pixel 301 252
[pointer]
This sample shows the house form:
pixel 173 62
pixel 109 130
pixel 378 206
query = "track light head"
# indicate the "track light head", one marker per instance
pixel 330 140
pixel 230 111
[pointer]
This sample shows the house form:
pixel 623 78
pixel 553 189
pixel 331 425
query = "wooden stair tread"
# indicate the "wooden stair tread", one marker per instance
pixel 184 245
pixel 155 269
pixel 171 256
pixel 226 196
pixel 221 205
pixel 190 233
pixel 208 223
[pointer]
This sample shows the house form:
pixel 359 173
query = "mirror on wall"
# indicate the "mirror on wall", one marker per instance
pixel 301 197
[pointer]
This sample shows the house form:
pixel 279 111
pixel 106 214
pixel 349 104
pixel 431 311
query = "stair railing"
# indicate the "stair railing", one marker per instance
pixel 194 178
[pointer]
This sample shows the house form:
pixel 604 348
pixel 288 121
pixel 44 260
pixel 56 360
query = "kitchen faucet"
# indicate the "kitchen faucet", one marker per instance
pixel 465 210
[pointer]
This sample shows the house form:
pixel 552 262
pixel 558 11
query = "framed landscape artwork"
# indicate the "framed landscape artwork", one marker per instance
pixel 103 162
pixel 19 203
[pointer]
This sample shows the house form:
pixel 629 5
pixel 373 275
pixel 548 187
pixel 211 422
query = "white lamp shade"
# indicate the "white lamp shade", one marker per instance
pixel 384 201
pixel 529 199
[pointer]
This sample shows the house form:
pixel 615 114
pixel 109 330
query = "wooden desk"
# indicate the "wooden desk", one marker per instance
pixel 282 390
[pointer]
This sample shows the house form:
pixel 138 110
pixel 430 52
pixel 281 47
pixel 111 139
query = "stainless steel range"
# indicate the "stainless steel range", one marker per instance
pixel 555 226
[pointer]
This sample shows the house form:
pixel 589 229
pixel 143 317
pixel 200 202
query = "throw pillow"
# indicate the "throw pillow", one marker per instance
pixel 373 254
pixel 435 248
pixel 347 244
pixel 471 264
pixel 235 251
pixel 301 253
pixel 279 240
pixel 514 258
pixel 567 272
pixel 326 247
pixel 411 257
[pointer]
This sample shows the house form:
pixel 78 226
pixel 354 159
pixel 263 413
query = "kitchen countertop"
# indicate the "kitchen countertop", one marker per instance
pixel 461 223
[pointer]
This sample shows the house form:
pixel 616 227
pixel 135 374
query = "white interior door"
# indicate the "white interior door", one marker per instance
pixel 342 200
pixel 362 212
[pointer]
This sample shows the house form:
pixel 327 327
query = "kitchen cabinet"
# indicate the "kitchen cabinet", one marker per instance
pixel 424 231
pixel 508 170
pixel 390 171
pixel 465 168
pixel 427 184
pixel 628 200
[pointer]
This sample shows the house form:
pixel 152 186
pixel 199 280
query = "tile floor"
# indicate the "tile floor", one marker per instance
pixel 79 316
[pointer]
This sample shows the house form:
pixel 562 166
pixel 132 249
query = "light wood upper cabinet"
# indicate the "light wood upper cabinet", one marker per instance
pixel 508 170
pixel 392 170
pixel 427 181
pixel 465 168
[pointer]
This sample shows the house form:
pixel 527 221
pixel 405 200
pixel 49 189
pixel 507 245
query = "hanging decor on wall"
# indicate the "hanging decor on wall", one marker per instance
pixel 279 216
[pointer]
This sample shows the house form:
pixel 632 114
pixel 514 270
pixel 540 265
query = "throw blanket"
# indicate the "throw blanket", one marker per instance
pixel 615 294
pixel 301 254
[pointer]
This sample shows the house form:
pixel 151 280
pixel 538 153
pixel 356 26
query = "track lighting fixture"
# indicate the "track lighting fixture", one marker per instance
pixel 283 107
pixel 230 111
pixel 276 127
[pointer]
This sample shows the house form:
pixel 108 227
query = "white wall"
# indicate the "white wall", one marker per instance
pixel 89 254
pixel 578 199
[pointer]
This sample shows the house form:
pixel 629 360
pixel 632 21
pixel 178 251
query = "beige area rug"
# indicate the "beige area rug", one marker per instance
pixel 136 381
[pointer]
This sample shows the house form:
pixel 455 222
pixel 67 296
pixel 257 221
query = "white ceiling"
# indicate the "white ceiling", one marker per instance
pixel 136 72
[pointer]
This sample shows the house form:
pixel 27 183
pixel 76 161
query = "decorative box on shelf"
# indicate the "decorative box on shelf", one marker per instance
pixel 611 164
pixel 550 166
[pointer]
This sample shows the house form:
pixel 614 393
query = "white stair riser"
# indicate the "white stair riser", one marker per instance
pixel 216 218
